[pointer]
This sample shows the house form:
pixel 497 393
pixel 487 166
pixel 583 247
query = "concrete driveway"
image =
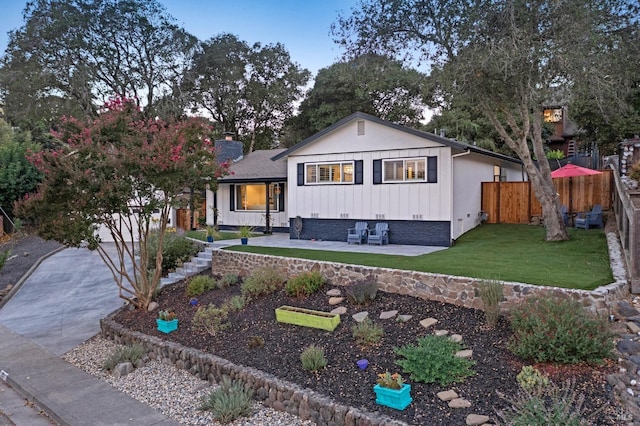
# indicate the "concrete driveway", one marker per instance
pixel 60 305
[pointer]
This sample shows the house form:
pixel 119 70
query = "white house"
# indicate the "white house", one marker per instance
pixel 362 168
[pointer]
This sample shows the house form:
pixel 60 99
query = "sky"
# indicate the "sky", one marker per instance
pixel 302 26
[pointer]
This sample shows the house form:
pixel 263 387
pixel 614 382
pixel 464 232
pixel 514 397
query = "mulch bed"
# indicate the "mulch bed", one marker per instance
pixel 495 369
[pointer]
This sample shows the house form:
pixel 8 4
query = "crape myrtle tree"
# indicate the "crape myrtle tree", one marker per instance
pixel 511 58
pixel 120 170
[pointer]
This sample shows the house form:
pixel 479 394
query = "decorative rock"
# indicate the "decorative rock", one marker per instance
pixel 388 314
pixel 123 369
pixel 335 300
pixel 360 316
pixel 153 306
pixel 456 338
pixel 633 327
pixel 628 346
pixel 467 353
pixel 428 322
pixel 334 292
pixel 341 310
pixel 447 395
pixel 476 419
pixel 441 332
pixel 404 318
pixel 459 403
pixel 626 310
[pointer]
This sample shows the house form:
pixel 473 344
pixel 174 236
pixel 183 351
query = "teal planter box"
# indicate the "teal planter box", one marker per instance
pixel 167 326
pixel 394 398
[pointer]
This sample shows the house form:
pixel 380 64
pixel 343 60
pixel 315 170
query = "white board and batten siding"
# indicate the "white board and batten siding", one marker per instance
pixel 386 201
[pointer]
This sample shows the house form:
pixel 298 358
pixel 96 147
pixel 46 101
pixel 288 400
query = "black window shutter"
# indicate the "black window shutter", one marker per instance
pixel 432 169
pixel 232 198
pixel 281 186
pixel 300 174
pixel 358 175
pixel 377 172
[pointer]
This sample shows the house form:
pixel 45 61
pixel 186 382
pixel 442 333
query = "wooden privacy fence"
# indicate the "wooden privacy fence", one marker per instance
pixel 515 202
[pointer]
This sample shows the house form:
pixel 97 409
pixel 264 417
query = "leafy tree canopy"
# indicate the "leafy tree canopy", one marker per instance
pixel 374 84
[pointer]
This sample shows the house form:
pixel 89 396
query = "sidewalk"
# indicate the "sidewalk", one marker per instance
pixel 56 308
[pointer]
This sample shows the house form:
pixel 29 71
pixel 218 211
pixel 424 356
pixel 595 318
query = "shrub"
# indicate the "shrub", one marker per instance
pixel 433 360
pixel 531 379
pixel 4 256
pixel 304 284
pixel 175 251
pixel 313 358
pixel 230 401
pixel 362 292
pixel 210 319
pixel 130 354
pixel 264 281
pixel 255 342
pixel 367 332
pixel 491 295
pixel 235 303
pixel 228 280
pixel 551 405
pixel 547 329
pixel 200 284
pixel 555 154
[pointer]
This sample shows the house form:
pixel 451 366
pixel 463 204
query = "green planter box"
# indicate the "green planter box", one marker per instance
pixel 307 317
pixel 167 326
pixel 394 398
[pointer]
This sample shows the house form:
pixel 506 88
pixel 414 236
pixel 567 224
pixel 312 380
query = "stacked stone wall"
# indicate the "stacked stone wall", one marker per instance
pixel 456 290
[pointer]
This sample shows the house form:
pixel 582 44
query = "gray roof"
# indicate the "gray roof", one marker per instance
pixel 258 166
pixel 426 135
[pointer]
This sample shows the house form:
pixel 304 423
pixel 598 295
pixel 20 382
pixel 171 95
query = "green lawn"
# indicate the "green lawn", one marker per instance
pixel 505 252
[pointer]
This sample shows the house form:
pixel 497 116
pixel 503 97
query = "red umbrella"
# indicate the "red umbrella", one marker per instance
pixel 571 170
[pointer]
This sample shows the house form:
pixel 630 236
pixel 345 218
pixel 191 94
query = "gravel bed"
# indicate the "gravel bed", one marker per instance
pixel 176 393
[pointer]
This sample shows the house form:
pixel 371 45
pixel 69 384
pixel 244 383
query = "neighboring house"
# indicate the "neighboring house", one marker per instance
pixel 363 168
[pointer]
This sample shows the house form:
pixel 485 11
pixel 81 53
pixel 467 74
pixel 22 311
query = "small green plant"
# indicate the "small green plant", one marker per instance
pixel 491 294
pixel 228 280
pixel 213 232
pixel 433 360
pixel 304 284
pixel 391 381
pixel 255 342
pixel 264 281
pixel 367 332
pixel 550 405
pixel 313 358
pixel 235 303
pixel 4 256
pixel 130 354
pixel 200 284
pixel 531 379
pixel 211 319
pixel 230 401
pixel 362 292
pixel 167 315
pixel 245 231
pixel 549 329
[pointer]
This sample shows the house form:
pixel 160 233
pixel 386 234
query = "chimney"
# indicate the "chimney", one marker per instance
pixel 228 136
pixel 442 133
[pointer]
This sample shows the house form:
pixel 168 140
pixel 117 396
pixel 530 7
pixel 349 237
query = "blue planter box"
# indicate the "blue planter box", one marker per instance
pixel 394 398
pixel 167 326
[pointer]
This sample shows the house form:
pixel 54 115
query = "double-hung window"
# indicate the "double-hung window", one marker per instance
pixel 329 173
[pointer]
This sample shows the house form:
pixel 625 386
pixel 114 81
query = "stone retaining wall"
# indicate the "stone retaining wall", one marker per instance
pixel 270 390
pixel 460 291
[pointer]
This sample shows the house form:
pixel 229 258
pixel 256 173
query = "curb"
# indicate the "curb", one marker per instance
pixel 24 278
